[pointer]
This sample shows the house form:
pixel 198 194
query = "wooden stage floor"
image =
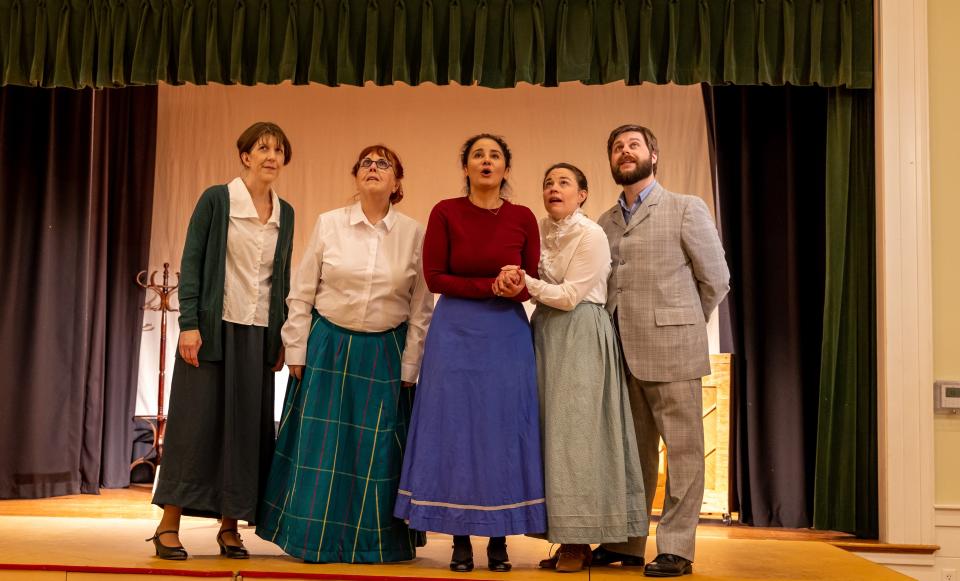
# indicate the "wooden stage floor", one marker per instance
pixel 101 537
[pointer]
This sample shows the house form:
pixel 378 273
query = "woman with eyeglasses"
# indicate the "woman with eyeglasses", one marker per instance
pixel 358 313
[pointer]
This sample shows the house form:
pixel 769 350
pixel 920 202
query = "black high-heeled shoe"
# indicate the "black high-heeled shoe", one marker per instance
pixel 232 551
pixel 165 552
pixel 462 559
pixel 498 560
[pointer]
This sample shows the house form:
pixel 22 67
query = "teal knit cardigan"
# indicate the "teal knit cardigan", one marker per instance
pixel 203 267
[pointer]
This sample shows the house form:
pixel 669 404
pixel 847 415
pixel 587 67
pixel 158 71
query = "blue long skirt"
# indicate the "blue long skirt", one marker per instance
pixel 473 462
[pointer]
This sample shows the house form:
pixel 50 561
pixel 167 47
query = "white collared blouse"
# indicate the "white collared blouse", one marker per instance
pixel 574 263
pixel 363 277
pixel 251 246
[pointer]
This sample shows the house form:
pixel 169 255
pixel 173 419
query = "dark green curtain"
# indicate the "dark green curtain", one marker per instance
pixel 846 494
pixel 494 43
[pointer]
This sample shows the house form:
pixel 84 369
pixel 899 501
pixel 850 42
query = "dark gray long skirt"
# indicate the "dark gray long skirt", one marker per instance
pixel 220 434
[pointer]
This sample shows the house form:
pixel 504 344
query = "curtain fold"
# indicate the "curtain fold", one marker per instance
pixel 796 205
pixel 76 193
pixel 494 43
pixel 846 495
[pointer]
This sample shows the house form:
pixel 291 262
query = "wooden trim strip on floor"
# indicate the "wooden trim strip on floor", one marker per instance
pixel 877 547
pixel 217 574
pixel 114 570
pixel 342 576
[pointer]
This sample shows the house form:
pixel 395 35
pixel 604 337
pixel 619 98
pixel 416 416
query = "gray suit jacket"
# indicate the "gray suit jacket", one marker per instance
pixel 669 273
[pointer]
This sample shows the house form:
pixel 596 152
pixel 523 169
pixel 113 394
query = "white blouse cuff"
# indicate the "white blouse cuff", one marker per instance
pixel 295 356
pixel 409 372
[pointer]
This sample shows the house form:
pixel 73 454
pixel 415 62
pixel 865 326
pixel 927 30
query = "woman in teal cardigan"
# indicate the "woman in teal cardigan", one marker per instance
pixel 235 275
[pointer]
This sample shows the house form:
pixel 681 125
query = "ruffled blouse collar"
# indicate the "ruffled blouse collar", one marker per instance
pixel 557 228
pixel 555 236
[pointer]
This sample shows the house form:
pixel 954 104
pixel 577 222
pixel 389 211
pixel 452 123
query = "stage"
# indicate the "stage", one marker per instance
pixel 101 537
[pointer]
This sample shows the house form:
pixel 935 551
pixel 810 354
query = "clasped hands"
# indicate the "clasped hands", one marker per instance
pixel 509 282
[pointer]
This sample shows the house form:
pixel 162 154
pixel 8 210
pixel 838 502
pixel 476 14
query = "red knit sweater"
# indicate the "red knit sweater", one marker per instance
pixel 465 247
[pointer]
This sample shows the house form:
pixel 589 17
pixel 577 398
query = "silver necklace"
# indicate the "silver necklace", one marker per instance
pixel 494 211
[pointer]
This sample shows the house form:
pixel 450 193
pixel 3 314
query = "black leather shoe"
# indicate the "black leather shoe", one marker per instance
pixel 462 559
pixel 603 556
pixel 232 551
pixel 667 565
pixel 497 559
pixel 167 552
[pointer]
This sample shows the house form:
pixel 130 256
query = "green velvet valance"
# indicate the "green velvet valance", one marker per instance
pixel 494 43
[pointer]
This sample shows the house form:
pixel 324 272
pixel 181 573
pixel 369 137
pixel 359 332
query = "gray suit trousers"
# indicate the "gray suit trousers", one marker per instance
pixel 673 411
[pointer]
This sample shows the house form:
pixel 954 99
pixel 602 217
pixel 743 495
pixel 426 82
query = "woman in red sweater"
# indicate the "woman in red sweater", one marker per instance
pixel 473 462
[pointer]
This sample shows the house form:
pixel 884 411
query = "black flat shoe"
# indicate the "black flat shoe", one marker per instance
pixel 497 559
pixel 667 565
pixel 462 559
pixel 603 556
pixel 165 552
pixel 232 551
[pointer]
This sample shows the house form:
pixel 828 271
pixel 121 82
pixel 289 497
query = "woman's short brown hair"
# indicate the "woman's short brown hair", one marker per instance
pixel 253 134
pixel 392 157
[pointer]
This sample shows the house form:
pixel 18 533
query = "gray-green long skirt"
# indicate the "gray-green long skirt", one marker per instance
pixel 594 484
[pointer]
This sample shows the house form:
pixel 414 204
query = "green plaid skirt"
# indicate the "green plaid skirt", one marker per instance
pixel 334 477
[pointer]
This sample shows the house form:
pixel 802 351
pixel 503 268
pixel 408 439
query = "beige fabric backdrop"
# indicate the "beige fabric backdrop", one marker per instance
pixel 327 127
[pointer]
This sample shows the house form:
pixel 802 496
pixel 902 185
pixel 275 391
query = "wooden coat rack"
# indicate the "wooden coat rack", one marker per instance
pixel 158 422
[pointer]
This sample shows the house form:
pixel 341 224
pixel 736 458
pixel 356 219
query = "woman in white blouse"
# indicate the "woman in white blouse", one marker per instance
pixel 359 311
pixel 235 274
pixel 594 486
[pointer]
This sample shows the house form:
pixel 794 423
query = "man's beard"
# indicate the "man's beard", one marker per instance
pixel 641 171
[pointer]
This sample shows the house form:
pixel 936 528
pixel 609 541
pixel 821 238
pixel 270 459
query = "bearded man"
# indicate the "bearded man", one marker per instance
pixel 669 274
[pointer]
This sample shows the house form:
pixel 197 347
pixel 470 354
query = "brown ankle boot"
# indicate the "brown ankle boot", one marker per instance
pixel 549 562
pixel 573 558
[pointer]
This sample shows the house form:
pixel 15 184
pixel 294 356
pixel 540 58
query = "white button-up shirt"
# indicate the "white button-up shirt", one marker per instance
pixel 251 247
pixel 363 277
pixel 574 263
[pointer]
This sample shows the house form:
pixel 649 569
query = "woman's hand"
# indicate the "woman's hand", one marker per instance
pixel 279 364
pixel 510 282
pixel 407 384
pixel 189 346
pixel 296 371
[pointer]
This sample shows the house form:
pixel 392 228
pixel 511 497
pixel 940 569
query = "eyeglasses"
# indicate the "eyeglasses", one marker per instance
pixel 381 163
